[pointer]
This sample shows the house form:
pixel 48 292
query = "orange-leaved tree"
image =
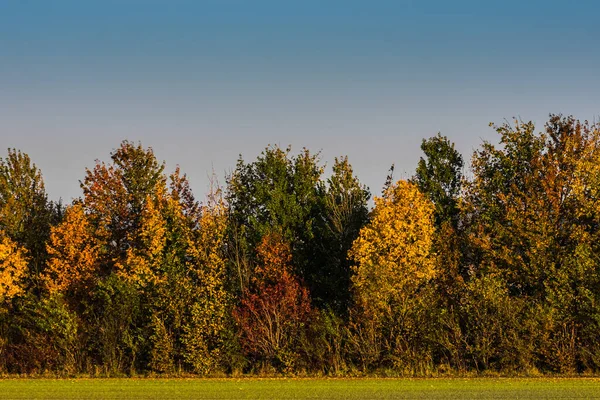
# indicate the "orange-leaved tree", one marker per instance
pixel 13 266
pixel 73 251
pixel 115 197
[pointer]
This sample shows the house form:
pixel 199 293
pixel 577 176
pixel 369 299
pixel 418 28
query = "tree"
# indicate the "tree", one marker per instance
pixel 181 192
pixel 13 267
pixel 74 253
pixel 144 264
pixel 521 204
pixel 393 251
pixel 276 192
pixel 439 176
pixel 25 212
pixel 275 311
pixel 529 222
pixel 143 232
pixel 394 262
pixel 345 212
pixel 206 333
pixel 115 196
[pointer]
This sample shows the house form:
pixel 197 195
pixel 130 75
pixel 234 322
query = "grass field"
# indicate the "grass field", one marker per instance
pixel 480 388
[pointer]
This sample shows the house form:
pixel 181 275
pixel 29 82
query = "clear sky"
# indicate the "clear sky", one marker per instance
pixel 203 81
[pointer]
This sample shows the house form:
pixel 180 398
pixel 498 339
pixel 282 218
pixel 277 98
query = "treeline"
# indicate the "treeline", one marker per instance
pixel 282 270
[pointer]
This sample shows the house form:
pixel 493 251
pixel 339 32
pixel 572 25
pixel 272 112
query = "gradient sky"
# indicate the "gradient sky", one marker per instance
pixel 203 81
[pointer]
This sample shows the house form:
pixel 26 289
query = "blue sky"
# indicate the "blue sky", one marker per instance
pixel 202 81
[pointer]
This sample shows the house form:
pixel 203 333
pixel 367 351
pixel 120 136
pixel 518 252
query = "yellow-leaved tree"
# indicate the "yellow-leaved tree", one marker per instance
pixel 394 260
pixel 393 251
pixel 205 334
pixel 143 264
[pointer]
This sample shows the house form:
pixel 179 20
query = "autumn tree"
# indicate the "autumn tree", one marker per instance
pixel 144 263
pixel 206 333
pixel 288 270
pixel 521 203
pixel 275 310
pixel 26 217
pixel 526 217
pixel 510 229
pixel 394 260
pixel 13 267
pixel 162 267
pixel 121 250
pixel 74 253
pixel 393 251
pixel 115 196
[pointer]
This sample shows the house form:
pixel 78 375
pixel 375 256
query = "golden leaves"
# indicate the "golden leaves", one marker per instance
pixel 73 251
pixel 204 335
pixel 13 266
pixel 393 252
pixel 143 264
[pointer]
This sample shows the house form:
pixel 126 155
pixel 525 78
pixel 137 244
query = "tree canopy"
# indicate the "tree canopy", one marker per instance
pixel 289 268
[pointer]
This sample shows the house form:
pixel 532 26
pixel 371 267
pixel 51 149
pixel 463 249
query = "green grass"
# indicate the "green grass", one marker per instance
pixel 479 388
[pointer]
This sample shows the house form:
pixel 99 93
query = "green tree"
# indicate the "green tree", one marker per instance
pixel 277 191
pixel 26 215
pixel 529 222
pixel 345 212
pixel 439 176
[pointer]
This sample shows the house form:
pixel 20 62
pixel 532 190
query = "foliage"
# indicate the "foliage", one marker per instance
pixel 276 192
pixel 115 196
pixel 275 311
pixel 74 253
pixel 13 266
pixel 25 212
pixel 393 251
pixel 161 357
pixel 530 222
pixel 115 333
pixel 42 336
pixel 439 176
pixel 394 263
pixel 143 262
pixel 206 334
pixel 287 271
pixel 344 213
